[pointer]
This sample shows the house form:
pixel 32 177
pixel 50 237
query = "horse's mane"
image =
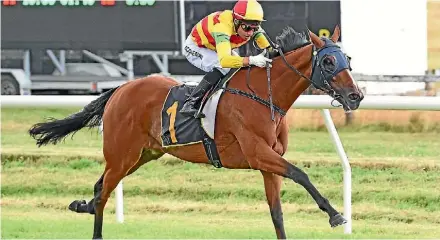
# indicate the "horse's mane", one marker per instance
pixel 289 39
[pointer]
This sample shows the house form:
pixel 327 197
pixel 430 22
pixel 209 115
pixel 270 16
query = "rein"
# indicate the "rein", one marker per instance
pixel 255 98
pixel 326 88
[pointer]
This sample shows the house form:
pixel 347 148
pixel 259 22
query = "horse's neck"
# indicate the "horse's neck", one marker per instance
pixel 287 85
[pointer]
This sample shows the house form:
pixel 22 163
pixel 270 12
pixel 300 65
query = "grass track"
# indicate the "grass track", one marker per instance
pixel 395 191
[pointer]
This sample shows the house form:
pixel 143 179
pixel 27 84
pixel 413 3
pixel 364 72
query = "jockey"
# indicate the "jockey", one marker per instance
pixel 210 44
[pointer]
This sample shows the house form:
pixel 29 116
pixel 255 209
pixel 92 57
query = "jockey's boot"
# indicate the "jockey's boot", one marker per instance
pixel 189 108
pixel 209 80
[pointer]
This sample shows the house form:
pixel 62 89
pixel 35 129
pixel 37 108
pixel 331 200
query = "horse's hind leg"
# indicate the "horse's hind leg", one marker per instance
pixel 122 152
pixel 81 206
pixel 120 162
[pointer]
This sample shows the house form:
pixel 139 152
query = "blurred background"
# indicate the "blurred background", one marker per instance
pixel 88 46
pixel 85 47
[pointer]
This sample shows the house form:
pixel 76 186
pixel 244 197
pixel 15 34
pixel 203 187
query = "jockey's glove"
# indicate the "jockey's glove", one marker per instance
pixel 259 60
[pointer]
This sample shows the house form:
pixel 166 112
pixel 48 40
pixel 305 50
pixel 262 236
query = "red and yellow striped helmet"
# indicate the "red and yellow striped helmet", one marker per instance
pixel 249 10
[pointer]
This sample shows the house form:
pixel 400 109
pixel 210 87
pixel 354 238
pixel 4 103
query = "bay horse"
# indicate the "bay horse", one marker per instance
pixel 246 136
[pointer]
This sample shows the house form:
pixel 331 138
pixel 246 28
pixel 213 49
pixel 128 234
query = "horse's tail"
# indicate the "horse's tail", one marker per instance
pixel 56 130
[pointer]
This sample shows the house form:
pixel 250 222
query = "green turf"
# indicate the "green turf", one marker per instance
pixel 183 200
pixel 395 189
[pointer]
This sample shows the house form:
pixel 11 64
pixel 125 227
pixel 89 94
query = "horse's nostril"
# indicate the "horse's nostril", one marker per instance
pixel 353 96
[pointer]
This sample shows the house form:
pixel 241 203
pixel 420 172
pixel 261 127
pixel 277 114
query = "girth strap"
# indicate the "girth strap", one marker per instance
pixel 255 98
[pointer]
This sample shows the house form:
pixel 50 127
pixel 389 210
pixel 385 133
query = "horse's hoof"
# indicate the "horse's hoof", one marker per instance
pixel 337 220
pixel 75 204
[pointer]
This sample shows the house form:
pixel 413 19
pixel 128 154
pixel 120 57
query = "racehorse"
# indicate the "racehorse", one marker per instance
pixel 246 136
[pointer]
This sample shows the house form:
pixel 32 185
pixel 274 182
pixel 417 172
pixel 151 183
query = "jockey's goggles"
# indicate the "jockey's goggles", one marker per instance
pixel 248 28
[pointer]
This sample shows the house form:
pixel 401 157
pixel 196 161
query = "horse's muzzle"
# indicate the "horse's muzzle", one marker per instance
pixel 352 100
pixel 354 96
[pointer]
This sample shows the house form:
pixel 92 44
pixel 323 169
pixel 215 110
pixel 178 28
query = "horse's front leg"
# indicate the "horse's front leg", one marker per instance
pixel 272 186
pixel 262 157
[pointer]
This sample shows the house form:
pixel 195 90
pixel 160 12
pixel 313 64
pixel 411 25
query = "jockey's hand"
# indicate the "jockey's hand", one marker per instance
pixel 260 60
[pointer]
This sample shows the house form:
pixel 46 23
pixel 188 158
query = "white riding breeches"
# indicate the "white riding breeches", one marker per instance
pixel 203 58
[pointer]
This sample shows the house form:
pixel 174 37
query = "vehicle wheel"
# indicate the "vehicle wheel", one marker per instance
pixel 10 86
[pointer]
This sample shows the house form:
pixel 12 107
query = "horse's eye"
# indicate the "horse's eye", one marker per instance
pixel 329 63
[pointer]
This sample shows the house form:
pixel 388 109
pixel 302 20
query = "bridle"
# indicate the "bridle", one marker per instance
pixel 320 77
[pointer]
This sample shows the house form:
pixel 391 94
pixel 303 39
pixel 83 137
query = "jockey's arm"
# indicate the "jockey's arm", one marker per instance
pixel 223 48
pixel 222 35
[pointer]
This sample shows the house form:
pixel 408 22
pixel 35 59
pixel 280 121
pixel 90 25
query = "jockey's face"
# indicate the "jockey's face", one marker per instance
pixel 246 30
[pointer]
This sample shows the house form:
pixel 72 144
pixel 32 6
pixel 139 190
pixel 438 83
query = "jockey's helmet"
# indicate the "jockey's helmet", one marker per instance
pixel 248 11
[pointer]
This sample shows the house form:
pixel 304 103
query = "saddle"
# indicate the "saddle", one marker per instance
pixel 214 89
pixel 179 130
